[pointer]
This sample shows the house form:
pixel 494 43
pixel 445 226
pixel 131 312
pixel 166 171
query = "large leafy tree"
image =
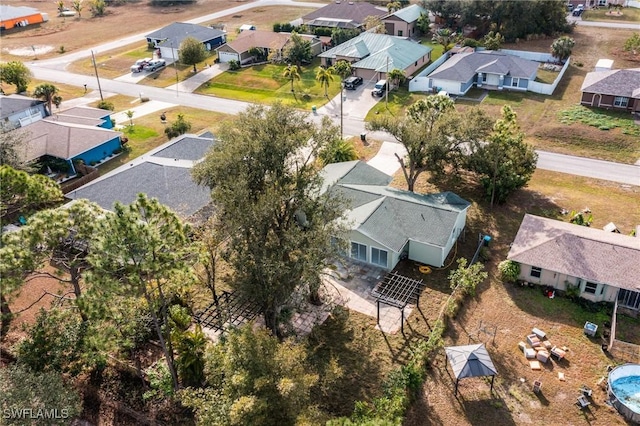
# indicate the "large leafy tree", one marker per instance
pixel 561 48
pixel 416 132
pixel 16 73
pixel 22 193
pixel 506 162
pixel 266 188
pixel 142 252
pixel 23 388
pixel 46 92
pixel 340 35
pixel 374 24
pixel 254 379
pixel 297 50
pixel 11 143
pixel 192 52
pixel 324 76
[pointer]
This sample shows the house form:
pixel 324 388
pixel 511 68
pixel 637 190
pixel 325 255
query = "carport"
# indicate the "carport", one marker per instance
pixel 470 361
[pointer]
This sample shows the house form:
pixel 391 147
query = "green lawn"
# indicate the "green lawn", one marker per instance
pixel 265 84
pixel 627 14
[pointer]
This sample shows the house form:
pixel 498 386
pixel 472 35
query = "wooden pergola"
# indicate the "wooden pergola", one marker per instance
pixel 397 290
pixel 231 311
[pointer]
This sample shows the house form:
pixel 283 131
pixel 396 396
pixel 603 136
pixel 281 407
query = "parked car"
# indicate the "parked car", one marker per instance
pixel 155 65
pixel 139 65
pixel 379 88
pixel 578 10
pixel 352 83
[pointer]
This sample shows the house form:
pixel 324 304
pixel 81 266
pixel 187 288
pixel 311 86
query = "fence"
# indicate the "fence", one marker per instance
pixel 420 83
pixel 90 173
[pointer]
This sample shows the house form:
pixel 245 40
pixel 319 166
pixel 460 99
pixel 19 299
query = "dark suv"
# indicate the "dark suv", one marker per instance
pixel 352 83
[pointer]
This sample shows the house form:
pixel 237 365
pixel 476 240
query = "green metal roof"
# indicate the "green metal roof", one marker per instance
pixel 386 51
pixel 410 13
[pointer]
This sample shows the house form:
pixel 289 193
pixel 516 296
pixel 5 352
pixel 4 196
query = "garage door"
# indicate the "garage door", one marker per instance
pixel 227 56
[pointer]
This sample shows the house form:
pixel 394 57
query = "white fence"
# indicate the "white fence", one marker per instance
pixel 420 83
pixel 548 89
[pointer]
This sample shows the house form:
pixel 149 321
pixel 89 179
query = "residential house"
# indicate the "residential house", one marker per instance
pixel 404 22
pixel 163 173
pixel 69 141
pixel 612 89
pixel 20 16
pixel 18 110
pixel 169 38
pixel 388 224
pixel 240 48
pixel 342 15
pixel 85 115
pixel 602 265
pixel 487 69
pixel 373 55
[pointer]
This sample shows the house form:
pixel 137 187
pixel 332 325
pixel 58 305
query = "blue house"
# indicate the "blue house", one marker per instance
pixel 80 133
pixel 488 69
pixel 169 38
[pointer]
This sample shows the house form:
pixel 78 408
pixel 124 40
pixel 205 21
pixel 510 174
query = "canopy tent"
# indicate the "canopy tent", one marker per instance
pixel 470 361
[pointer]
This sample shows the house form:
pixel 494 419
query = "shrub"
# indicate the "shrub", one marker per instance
pixel 234 65
pixel 470 42
pixel 106 105
pixel 179 127
pixel 509 270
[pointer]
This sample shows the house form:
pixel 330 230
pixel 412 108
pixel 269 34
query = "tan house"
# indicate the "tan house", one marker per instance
pixel 373 55
pixel 602 265
pixel 239 49
pixel 404 22
pixel 612 89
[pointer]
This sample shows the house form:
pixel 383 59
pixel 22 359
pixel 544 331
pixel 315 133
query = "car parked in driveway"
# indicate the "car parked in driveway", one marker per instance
pixel 379 88
pixel 352 83
pixel 139 65
pixel 578 10
pixel 154 65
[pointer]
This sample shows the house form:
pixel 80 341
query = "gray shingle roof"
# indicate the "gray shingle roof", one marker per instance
pixel 614 82
pixel 579 251
pixel 470 361
pixel 12 104
pixel 345 10
pixel 172 186
pixel 392 216
pixel 383 51
pixel 178 31
pixel 164 173
pixel 12 12
pixel 463 66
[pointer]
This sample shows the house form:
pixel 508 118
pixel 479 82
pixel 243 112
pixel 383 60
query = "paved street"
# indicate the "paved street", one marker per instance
pixel 355 106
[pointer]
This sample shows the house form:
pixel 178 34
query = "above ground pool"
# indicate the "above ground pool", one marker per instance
pixel 624 391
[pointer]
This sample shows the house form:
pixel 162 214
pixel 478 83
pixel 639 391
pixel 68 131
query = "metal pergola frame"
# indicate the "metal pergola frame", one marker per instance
pixel 397 290
pixel 231 311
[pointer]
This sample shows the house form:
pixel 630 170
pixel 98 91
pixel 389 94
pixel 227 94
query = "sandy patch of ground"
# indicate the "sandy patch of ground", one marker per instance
pixel 34 50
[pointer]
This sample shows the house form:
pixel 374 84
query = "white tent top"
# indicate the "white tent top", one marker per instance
pixel 470 361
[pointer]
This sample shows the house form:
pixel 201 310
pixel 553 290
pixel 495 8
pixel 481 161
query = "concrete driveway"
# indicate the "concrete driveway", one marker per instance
pixel 356 103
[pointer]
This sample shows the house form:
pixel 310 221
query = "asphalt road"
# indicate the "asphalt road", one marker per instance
pixel 53 70
pixel 621 25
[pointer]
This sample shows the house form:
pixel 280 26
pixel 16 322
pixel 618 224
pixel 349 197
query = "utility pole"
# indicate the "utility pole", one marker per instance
pixel 95 67
pixel 341 116
pixel 386 98
pixel 175 65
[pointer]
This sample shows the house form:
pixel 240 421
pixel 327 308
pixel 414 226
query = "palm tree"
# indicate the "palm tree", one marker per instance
pixel 445 37
pixel 343 69
pixel 561 48
pixel 325 77
pixel 338 151
pixel 291 73
pixel 397 76
pixel 46 92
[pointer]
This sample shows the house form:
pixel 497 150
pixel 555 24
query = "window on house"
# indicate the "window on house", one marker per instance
pixel 399 33
pixel 536 272
pixel 484 77
pixel 515 81
pixel 628 298
pixel 590 288
pixel 621 101
pixel 359 251
pixel 379 257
